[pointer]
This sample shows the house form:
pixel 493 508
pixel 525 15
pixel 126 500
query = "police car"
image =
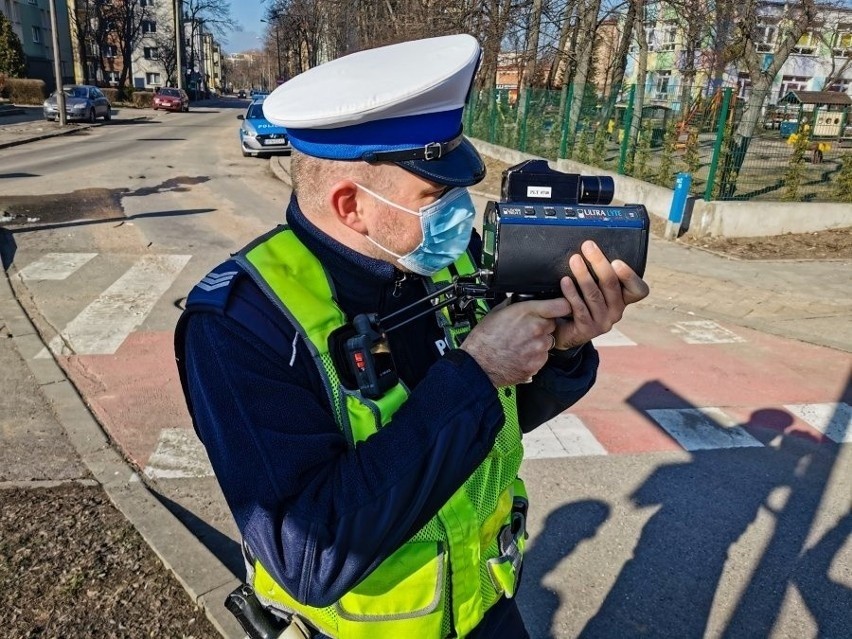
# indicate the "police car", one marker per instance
pixel 258 136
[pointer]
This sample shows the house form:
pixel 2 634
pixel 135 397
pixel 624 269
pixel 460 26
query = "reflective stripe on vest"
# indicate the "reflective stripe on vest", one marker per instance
pixel 471 548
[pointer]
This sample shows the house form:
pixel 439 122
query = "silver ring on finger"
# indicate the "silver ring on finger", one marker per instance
pixel 552 342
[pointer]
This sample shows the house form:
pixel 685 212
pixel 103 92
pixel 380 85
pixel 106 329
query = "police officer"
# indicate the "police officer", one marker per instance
pixel 397 512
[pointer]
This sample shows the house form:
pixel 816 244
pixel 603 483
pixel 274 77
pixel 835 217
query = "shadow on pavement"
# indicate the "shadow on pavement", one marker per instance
pixel 704 506
pixel 223 547
pixel 121 122
pixel 564 529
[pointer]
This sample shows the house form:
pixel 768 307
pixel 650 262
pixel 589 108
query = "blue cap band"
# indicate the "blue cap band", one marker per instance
pixel 391 134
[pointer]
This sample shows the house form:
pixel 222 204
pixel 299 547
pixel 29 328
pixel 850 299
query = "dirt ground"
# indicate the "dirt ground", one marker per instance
pixel 72 566
pixel 833 244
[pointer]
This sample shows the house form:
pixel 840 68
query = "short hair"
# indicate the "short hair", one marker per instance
pixel 313 176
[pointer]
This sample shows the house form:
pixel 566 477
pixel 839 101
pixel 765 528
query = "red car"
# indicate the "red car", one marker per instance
pixel 171 99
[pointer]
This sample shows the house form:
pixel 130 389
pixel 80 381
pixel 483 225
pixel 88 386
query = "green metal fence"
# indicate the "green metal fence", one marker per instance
pixel 793 154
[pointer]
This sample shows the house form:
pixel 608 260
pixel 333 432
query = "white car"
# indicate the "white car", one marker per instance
pixel 258 136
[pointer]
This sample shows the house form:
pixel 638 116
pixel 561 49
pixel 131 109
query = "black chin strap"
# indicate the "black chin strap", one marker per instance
pixel 431 151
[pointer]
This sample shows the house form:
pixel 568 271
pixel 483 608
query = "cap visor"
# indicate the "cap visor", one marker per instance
pixel 463 166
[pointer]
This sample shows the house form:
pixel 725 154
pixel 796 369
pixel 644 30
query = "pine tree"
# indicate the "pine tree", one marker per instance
pixel 841 187
pixel 599 147
pixel 643 152
pixel 691 156
pixel 664 173
pixel 795 173
pixel 582 143
pixel 720 188
pixel 12 60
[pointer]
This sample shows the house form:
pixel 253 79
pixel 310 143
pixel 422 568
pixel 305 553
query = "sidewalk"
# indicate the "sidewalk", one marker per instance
pixel 807 301
pixel 14 131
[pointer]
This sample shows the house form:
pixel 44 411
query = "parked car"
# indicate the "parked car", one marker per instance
pixel 171 99
pixel 258 136
pixel 82 102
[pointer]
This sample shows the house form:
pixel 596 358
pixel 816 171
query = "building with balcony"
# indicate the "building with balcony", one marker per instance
pixel 203 59
pixel 820 61
pixel 98 55
pixel 31 23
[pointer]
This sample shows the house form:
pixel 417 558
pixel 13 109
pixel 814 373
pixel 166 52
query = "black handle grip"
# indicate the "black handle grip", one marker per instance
pixel 257 622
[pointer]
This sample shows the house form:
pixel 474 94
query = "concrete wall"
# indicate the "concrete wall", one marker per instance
pixel 728 219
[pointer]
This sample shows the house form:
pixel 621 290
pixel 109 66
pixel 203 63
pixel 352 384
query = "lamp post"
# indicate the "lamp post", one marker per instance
pixel 57 64
pixel 274 20
pixel 179 44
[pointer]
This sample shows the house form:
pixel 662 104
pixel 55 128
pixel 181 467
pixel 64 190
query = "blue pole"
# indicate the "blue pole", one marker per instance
pixel 683 182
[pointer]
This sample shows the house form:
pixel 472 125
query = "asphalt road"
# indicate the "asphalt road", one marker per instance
pixel 638 531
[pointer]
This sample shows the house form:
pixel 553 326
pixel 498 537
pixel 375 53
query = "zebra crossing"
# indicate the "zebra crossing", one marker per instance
pixel 179 453
pixel 116 314
pixel 103 325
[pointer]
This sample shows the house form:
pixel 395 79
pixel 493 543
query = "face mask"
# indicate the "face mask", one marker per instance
pixel 446 223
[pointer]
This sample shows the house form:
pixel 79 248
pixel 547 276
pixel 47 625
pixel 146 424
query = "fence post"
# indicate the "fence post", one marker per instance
pixel 566 116
pixel 471 112
pixel 683 182
pixel 717 147
pixel 522 143
pixel 627 122
pixel 492 123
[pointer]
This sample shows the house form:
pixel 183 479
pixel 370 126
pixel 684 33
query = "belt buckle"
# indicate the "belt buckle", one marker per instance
pixel 433 151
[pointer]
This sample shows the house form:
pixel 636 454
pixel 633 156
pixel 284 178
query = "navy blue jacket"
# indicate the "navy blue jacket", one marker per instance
pixel 319 514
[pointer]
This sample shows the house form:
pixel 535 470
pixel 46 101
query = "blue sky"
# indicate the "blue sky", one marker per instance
pixel 248 14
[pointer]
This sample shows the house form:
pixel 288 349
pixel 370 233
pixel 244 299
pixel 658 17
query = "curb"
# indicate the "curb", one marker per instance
pixel 45 136
pixel 56 134
pixel 198 570
pixel 279 171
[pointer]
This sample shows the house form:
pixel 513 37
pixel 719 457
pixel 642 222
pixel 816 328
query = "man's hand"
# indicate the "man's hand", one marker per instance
pixel 512 342
pixel 595 306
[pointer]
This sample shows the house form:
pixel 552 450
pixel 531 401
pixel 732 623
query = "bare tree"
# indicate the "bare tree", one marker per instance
pixel 90 23
pixel 82 21
pixel 835 37
pixel 125 20
pixel 564 57
pixel 620 60
pixel 692 18
pixel 164 40
pixel 795 21
pixel 528 64
pixel 641 37
pixel 213 16
pixel 588 21
pixel 496 15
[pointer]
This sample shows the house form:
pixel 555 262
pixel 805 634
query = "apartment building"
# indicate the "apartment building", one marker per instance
pixel 31 22
pixel 203 59
pixel 155 44
pixel 821 60
pixel 153 59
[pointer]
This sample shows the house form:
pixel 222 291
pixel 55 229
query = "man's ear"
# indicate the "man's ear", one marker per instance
pixel 344 202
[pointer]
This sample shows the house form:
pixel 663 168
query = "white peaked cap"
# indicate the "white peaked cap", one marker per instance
pixel 400 103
